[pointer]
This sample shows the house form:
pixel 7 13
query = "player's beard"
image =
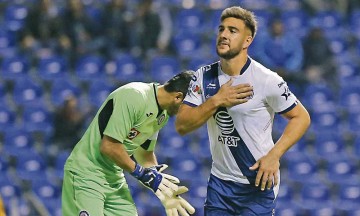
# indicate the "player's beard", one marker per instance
pixel 231 53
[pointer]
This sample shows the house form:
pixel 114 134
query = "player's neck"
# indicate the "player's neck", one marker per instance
pixel 162 97
pixel 232 67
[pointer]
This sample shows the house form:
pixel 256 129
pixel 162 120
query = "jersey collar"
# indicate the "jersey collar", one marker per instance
pixel 246 66
pixel 157 102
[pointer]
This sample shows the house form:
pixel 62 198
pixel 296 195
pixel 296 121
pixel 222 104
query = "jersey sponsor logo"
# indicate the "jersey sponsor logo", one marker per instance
pixel 226 125
pixel 281 84
pixel 84 213
pixel 286 93
pixel 133 133
pixel 211 86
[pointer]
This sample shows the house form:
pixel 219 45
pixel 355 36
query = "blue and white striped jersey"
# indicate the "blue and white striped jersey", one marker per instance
pixel 241 134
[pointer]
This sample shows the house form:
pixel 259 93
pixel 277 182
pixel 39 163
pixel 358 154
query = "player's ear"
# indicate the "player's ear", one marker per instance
pixel 179 96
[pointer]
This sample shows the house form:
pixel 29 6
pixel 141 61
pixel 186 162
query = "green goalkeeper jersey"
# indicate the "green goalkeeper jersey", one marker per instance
pixel 131 115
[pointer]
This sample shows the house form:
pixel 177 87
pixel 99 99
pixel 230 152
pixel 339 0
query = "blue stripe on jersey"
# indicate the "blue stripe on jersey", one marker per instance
pixel 289 108
pixel 242 155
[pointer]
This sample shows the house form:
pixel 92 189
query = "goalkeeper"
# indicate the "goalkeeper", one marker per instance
pixel 127 124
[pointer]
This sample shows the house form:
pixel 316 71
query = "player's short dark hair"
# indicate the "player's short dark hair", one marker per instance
pixel 180 82
pixel 240 13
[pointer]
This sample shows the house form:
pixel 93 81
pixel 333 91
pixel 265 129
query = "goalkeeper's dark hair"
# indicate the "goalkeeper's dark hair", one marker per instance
pixel 180 82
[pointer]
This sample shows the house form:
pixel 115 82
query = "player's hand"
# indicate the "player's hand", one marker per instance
pixel 268 168
pixel 163 185
pixel 177 205
pixel 230 95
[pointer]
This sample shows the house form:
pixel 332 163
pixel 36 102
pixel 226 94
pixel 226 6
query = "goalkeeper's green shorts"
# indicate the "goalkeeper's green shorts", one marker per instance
pixel 83 196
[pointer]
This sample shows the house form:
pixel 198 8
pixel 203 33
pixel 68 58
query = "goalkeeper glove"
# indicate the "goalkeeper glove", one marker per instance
pixel 161 184
pixel 177 205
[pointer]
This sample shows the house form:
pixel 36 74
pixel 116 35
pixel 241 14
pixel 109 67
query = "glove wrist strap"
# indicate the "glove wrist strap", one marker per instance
pixel 138 172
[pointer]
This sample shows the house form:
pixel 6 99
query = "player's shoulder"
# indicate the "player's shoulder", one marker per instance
pixel 263 72
pixel 205 70
pixel 135 90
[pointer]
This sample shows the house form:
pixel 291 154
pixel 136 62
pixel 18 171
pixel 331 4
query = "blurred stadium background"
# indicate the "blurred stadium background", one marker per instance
pixel 320 174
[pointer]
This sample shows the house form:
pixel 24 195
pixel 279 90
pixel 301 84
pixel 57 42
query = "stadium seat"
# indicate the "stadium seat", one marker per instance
pixel 125 68
pixel 287 209
pixel 15 15
pixel 7 43
pixel 286 193
pixel 52 67
pixel 349 98
pixel 338 44
pixel 354 122
pixel 163 68
pixel 324 210
pixel 17 141
pixel 27 92
pixel 30 167
pixel 8 189
pixel 45 189
pixel 14 67
pixel 355 23
pixel 342 170
pixel 190 20
pixel 348 197
pixel 348 72
pixel 59 164
pixel 90 67
pixel 214 20
pixel 62 89
pixel 319 97
pixel 173 142
pixel 296 22
pixel 356 147
pixel 187 45
pixel 37 118
pixel 301 168
pixel 328 145
pixel 316 196
pixel 186 165
pixel 98 92
pixel 325 121
pixel 329 20
pixel 7 118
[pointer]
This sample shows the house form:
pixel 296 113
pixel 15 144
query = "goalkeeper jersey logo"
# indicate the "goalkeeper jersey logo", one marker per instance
pixel 84 213
pixel 133 133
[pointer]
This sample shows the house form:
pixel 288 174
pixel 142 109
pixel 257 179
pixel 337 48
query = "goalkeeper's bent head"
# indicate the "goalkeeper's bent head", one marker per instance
pixel 174 91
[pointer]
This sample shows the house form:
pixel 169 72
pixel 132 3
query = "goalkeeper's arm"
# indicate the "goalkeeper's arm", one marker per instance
pixel 161 184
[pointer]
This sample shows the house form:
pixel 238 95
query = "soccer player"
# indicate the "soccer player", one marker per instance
pixel 245 158
pixel 127 124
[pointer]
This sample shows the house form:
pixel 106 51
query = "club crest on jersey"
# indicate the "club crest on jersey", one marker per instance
pixel 161 119
pixel 84 213
pixel 227 127
pixel 133 133
pixel 196 89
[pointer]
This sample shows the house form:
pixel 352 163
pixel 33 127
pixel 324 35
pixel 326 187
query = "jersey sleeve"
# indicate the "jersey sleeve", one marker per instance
pixel 125 113
pixel 194 95
pixel 278 95
pixel 152 142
